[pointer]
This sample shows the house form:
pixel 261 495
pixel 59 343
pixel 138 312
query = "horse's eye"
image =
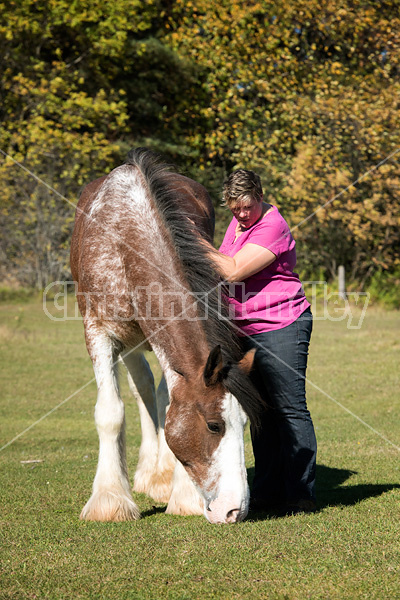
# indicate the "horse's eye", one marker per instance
pixel 214 427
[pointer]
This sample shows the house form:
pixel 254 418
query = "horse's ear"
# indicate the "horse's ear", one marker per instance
pixel 246 364
pixel 214 369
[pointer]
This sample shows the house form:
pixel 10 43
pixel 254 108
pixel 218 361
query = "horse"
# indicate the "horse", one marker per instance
pixel 145 282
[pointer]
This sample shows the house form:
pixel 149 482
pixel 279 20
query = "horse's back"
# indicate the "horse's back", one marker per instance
pixel 88 194
pixel 121 244
pixel 192 198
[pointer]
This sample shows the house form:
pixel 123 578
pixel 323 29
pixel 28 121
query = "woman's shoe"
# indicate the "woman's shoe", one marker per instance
pixel 260 504
pixel 302 506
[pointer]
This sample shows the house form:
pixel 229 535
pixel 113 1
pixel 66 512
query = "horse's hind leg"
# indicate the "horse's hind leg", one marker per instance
pixel 111 498
pixel 153 474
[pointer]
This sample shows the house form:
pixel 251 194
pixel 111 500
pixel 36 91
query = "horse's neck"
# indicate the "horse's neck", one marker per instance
pixel 170 317
pixel 179 345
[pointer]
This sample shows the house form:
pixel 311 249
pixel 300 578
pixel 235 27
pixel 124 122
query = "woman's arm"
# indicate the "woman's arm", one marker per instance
pixel 249 260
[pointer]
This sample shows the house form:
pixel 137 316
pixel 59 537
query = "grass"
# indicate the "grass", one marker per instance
pixel 348 549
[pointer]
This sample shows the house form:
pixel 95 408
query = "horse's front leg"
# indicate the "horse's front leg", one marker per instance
pixel 166 459
pixel 155 466
pixel 111 498
pixel 184 499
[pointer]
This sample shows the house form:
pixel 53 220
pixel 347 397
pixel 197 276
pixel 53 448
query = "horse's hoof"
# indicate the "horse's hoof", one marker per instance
pixel 184 509
pixel 156 485
pixel 186 501
pixel 110 506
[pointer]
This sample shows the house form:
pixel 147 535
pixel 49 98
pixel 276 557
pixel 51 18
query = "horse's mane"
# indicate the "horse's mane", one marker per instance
pixel 200 274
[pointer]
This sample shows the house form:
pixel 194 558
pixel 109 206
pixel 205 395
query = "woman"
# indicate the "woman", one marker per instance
pixel 257 257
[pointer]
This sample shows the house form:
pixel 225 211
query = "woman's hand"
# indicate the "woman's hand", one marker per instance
pixel 249 260
pixel 238 230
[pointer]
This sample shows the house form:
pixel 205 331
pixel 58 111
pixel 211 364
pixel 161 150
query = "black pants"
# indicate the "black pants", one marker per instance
pixel 284 446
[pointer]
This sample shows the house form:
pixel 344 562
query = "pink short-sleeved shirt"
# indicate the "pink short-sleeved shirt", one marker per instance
pixel 272 298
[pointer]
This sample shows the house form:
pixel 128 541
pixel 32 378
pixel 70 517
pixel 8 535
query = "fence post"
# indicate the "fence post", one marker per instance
pixel 342 282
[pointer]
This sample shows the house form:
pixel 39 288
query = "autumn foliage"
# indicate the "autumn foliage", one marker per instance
pixel 305 92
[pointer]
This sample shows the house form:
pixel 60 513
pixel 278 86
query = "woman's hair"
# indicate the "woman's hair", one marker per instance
pixel 240 185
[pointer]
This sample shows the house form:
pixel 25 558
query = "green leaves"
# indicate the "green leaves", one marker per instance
pixel 307 95
pixel 79 77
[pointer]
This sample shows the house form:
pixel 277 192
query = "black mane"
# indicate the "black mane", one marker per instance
pixel 200 275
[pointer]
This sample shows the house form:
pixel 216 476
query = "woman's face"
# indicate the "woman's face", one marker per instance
pixel 247 212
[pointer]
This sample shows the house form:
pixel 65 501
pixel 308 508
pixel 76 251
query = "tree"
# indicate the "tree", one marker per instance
pixel 81 83
pixel 306 94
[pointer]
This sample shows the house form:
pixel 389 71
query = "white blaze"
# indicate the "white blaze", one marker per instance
pixel 229 468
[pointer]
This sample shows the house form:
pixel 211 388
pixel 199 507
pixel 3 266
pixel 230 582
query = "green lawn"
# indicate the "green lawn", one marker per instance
pixel 349 549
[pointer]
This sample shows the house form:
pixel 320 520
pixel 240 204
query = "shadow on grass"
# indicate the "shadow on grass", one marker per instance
pixel 329 490
pixel 153 511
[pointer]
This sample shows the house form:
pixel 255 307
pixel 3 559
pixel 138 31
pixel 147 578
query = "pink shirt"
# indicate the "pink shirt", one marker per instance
pixel 272 298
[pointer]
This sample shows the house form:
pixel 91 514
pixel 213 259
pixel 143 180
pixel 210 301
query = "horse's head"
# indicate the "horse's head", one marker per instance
pixel 204 429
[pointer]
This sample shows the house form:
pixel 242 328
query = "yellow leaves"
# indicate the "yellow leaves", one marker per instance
pixel 342 12
pixel 317 121
pixel 336 67
pixel 54 84
pixel 340 178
